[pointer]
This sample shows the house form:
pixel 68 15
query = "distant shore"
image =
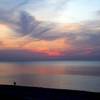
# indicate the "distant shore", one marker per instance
pixel 10 92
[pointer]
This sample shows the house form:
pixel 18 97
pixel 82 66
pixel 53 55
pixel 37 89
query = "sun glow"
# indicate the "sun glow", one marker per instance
pixel 4 31
pixel 51 48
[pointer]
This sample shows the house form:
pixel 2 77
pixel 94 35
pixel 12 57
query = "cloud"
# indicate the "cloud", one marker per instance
pixel 12 5
pixel 1 43
pixel 84 37
pixel 26 55
pixel 19 55
pixel 26 25
pixel 5 17
pixel 59 4
pixel 9 10
pixel 98 13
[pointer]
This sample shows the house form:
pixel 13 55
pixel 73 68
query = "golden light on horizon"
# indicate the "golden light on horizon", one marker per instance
pixel 51 48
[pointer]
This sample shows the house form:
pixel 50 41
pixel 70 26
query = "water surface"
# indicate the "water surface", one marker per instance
pixel 78 75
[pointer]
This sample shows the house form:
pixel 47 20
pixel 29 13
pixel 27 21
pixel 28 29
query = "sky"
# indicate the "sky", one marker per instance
pixel 49 30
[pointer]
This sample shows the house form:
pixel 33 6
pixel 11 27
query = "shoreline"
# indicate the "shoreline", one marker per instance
pixel 12 92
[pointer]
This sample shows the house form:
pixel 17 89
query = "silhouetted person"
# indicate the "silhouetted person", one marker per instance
pixel 14 83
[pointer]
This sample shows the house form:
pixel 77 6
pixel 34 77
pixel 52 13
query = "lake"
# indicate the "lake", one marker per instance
pixel 77 75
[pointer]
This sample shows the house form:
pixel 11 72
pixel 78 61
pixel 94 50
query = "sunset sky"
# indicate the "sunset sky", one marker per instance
pixel 50 29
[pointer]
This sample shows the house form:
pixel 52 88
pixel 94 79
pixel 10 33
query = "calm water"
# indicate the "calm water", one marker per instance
pixel 78 75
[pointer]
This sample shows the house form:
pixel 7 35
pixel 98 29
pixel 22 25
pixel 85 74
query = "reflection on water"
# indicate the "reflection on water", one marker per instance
pixel 66 75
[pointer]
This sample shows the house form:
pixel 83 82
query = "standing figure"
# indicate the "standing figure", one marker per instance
pixel 14 83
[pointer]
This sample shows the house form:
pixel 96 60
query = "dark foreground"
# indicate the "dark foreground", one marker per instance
pixel 8 92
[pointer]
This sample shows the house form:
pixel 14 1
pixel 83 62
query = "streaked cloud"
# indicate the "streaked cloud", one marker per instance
pixel 23 29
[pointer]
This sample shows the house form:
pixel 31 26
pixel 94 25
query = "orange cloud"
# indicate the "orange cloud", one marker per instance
pixel 52 48
pixel 54 53
pixel 74 27
pixel 4 31
pixel 6 36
